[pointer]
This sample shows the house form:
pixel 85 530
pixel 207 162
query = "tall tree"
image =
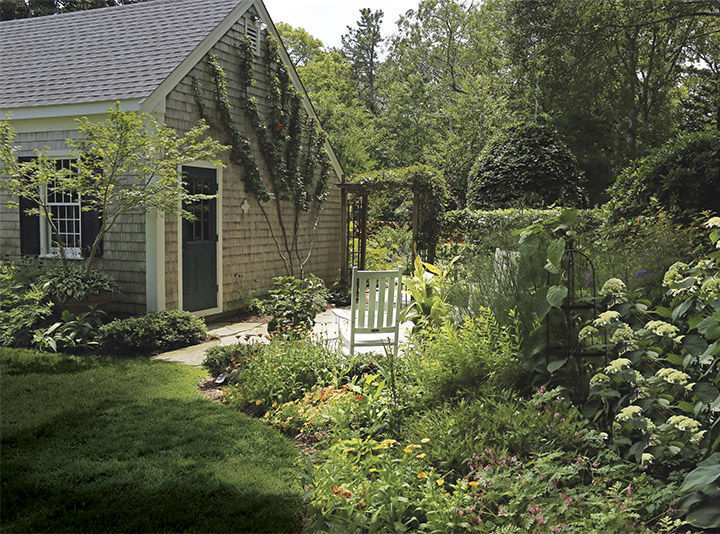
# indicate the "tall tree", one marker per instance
pixel 300 45
pixel 361 45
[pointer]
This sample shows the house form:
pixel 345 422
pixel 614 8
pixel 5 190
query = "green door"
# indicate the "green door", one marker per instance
pixel 199 242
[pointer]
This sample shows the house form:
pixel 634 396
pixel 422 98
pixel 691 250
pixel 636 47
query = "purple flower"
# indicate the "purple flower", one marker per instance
pixel 641 272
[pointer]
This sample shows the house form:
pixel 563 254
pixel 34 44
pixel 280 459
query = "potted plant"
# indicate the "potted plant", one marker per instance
pixel 76 290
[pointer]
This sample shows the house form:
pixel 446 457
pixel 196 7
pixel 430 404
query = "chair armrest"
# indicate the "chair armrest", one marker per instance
pixel 342 314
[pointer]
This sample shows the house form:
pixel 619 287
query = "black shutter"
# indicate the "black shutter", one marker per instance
pixel 90 227
pixel 29 225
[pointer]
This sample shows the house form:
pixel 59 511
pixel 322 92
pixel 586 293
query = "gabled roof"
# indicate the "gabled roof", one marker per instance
pixel 107 54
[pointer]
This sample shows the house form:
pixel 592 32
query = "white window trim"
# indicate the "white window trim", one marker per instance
pixel 46 251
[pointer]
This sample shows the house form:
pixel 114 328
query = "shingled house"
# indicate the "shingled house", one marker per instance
pixel 153 57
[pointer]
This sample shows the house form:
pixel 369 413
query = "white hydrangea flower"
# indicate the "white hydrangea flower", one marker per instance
pixel 628 413
pixel 674 275
pixel 599 379
pixel 647 458
pixel 617 365
pixel 612 287
pixel 704 265
pixel 710 289
pixel 661 328
pixel 587 332
pixel 605 318
pixel 673 376
pixel 697 436
pixel 683 423
pixel 713 222
pixel 623 333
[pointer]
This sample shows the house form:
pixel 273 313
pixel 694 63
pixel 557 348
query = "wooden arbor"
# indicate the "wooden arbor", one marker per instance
pixel 354 206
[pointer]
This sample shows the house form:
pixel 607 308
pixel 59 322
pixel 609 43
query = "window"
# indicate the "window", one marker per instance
pixel 66 213
pixel 77 228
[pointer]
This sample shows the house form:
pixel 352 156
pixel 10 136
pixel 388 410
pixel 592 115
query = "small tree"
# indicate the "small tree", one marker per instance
pixel 128 162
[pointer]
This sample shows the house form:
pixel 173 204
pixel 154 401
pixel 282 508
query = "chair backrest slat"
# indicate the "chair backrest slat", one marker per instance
pixel 362 297
pixel 389 318
pixel 382 289
pixel 372 298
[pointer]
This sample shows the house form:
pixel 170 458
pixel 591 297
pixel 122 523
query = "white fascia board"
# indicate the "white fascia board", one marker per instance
pixel 157 97
pixel 61 117
pixel 307 103
pixel 69 110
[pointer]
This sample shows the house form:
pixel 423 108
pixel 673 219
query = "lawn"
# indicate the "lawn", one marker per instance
pixel 91 444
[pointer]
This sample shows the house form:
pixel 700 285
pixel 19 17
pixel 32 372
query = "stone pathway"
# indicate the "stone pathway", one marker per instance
pixel 226 333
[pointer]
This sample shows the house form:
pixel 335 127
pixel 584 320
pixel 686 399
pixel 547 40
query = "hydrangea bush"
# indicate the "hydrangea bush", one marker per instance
pixel 658 394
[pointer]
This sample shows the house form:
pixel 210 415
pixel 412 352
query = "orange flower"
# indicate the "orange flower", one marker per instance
pixel 422 475
pixel 473 483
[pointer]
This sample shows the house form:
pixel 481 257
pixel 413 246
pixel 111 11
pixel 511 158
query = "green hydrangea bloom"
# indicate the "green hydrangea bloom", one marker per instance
pixel 683 423
pixel 628 413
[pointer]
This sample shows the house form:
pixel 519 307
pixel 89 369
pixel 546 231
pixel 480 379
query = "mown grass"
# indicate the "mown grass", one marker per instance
pixel 90 444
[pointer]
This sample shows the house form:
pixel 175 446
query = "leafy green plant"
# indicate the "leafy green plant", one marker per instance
pixel 339 293
pixel 700 494
pixel 427 288
pixel 66 283
pixel 227 358
pixel 24 306
pixel 454 359
pixel 281 371
pixel 151 333
pixel 293 303
pixel 73 333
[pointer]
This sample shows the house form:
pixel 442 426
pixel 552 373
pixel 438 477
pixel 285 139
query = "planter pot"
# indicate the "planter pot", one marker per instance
pixel 76 307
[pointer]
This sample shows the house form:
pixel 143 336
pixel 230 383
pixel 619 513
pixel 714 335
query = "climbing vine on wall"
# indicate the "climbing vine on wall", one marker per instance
pixel 291 144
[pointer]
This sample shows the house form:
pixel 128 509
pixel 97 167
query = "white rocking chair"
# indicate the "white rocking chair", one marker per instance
pixel 373 320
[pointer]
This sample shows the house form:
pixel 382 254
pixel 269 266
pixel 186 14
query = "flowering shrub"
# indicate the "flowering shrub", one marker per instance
pixel 659 394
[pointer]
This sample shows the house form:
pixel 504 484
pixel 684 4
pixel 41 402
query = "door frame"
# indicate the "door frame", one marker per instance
pixel 219 249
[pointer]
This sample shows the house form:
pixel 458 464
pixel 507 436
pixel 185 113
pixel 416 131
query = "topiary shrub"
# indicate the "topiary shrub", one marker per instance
pixel 682 176
pixel 151 333
pixel 525 164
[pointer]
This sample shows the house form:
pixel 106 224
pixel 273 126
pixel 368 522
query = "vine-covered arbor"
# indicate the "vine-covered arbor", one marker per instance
pixel 429 193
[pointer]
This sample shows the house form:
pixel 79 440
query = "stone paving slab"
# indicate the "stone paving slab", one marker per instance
pixel 226 333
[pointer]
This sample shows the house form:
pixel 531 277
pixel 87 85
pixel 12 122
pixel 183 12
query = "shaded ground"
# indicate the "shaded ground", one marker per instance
pixel 89 444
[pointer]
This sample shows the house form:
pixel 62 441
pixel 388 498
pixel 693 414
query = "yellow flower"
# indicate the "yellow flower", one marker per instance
pixel 474 483
pixel 349 449
pixel 353 468
pixel 421 455
pixel 373 470
pixel 422 475
pixel 440 481
pixel 408 449
pixel 424 440
pixel 257 403
pixel 387 443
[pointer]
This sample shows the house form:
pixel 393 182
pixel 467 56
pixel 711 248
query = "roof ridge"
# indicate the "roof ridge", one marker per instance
pixel 94 11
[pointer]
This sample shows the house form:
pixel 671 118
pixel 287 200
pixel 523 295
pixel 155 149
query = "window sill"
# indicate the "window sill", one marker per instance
pixel 73 254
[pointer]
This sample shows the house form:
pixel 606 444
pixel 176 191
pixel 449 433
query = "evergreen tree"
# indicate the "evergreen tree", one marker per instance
pixel 361 45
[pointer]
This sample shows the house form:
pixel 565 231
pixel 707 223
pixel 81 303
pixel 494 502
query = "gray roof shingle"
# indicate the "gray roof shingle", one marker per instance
pixel 103 54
